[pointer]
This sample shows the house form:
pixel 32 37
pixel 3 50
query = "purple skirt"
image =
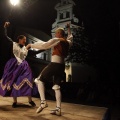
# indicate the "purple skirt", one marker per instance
pixel 17 79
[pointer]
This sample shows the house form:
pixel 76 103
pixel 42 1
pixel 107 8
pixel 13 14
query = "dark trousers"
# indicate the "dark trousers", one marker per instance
pixel 55 70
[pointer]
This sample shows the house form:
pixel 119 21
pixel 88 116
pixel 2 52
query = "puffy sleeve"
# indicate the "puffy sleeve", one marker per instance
pixel 33 52
pixel 70 37
pixel 45 45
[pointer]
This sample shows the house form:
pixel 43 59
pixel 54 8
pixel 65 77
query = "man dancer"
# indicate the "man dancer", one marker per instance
pixel 60 46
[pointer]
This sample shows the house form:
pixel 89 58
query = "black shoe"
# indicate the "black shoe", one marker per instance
pixel 32 104
pixel 14 105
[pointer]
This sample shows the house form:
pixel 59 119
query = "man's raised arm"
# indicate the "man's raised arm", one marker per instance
pixel 70 36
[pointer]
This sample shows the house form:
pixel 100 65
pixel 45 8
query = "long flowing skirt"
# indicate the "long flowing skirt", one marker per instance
pixel 17 79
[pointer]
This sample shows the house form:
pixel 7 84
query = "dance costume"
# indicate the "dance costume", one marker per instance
pixel 54 69
pixel 17 78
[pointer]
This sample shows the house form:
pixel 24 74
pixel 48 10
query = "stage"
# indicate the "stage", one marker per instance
pixel 69 111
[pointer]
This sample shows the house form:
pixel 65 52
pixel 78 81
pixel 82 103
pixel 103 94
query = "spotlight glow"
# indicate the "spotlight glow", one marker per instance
pixel 14 2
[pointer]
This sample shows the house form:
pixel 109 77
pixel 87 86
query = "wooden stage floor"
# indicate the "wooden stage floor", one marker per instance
pixel 69 111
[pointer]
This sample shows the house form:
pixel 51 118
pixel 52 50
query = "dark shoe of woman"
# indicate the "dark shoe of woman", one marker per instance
pixel 32 104
pixel 14 105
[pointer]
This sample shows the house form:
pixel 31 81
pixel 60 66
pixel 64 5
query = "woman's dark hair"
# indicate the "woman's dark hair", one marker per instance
pixel 20 37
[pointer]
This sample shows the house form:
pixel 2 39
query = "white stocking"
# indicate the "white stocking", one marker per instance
pixel 41 89
pixel 58 97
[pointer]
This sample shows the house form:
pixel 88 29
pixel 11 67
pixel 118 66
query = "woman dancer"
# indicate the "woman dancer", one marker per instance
pixel 17 78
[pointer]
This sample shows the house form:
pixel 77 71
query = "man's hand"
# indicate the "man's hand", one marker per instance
pixel 6 24
pixel 68 25
pixel 28 46
pixel 69 30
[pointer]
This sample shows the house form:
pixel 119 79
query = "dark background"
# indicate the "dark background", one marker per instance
pixel 101 20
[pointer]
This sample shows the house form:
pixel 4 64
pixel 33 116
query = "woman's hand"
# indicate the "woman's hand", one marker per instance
pixel 28 46
pixel 6 24
pixel 8 88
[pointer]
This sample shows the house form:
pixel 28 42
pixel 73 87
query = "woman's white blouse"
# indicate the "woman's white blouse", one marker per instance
pixel 19 53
